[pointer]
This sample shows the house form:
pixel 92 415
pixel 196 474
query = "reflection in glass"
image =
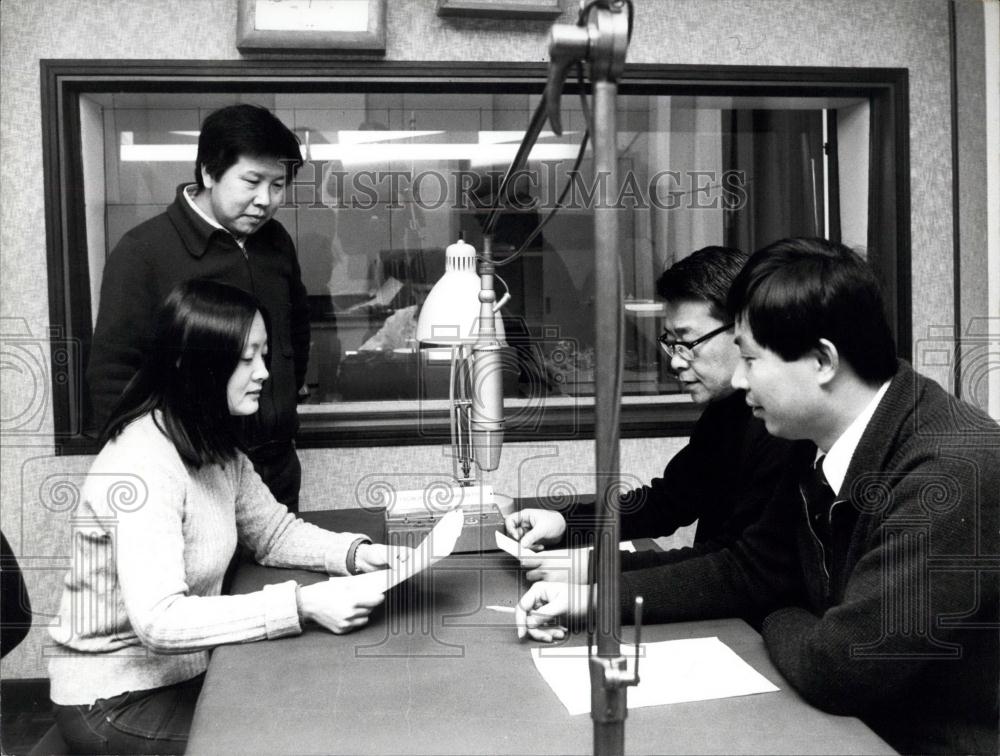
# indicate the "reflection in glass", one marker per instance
pixel 391 179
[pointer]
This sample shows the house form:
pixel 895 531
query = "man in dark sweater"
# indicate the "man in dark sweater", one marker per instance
pixel 220 228
pixel 876 563
pixel 728 470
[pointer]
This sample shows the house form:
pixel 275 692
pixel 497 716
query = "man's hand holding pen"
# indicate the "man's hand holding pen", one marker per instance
pixel 544 603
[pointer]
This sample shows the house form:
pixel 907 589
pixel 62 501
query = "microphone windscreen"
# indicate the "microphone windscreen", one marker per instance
pixel 487 405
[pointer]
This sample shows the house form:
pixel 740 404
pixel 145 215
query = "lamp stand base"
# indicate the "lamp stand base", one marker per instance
pixel 412 514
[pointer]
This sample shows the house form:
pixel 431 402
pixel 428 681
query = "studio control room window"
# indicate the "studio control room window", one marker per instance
pixel 395 172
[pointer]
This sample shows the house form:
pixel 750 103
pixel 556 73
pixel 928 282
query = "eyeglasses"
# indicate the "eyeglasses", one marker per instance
pixel 685 349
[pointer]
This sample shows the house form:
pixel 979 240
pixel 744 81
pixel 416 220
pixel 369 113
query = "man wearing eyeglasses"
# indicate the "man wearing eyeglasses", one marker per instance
pixel 875 565
pixel 730 466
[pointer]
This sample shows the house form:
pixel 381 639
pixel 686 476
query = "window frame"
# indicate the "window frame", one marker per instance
pixel 360 423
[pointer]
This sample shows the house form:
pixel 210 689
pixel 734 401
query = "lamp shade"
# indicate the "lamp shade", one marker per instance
pixel 451 313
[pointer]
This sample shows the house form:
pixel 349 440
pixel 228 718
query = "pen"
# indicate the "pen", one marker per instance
pixel 505 609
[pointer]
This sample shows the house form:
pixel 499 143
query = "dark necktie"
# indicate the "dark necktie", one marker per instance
pixel 819 498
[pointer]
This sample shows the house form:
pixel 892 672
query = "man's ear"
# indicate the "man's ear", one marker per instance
pixel 828 357
pixel 206 179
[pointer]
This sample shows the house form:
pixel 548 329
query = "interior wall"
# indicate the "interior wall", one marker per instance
pixel 36 488
pixel 991 33
pixel 978 333
pixel 965 348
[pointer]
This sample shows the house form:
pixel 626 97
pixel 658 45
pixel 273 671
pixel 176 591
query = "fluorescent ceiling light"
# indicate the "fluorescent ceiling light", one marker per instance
pixel 367 137
pixel 476 154
pixel 367 154
pixel 158 153
pixel 496 137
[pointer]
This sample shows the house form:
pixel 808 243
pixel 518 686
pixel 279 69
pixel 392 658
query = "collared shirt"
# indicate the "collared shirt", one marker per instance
pixel 189 194
pixel 838 458
pixel 181 244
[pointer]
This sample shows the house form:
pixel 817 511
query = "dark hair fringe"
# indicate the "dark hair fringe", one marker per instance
pixel 794 292
pixel 199 336
pixel 241 130
pixel 704 275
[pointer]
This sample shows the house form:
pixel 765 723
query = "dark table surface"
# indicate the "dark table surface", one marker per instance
pixel 435 672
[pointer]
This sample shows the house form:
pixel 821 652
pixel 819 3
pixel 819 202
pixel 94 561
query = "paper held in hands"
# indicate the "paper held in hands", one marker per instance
pixel 438 544
pixel 548 556
pixel 692 669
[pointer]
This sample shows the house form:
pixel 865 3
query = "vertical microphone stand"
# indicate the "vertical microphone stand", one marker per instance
pixel 602 40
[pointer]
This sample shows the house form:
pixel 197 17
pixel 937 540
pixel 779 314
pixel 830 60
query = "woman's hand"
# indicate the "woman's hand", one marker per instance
pixel 337 607
pixel 377 556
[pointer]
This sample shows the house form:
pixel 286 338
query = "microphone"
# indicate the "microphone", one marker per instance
pixel 487 405
pixel 486 422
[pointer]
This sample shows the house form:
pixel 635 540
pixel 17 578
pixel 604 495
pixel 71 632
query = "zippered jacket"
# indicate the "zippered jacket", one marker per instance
pixel 178 245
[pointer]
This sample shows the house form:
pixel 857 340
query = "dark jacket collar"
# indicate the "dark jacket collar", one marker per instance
pixel 877 443
pixel 733 404
pixel 195 232
pixel 735 401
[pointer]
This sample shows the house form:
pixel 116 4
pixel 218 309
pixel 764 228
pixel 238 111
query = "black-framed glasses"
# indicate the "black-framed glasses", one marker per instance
pixel 685 349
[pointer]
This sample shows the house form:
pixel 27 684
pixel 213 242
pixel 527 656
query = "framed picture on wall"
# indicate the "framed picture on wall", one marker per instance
pixel 522 9
pixel 311 26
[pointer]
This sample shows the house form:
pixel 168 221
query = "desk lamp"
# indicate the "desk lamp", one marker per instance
pixel 458 323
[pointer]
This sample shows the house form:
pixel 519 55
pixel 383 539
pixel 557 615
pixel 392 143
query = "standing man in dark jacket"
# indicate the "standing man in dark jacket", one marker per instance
pixel 220 228
pixel 877 561
pixel 727 473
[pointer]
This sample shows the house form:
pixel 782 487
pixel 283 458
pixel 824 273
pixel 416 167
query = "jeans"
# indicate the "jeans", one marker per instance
pixel 139 721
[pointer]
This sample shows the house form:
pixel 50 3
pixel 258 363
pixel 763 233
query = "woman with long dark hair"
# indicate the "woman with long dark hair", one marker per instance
pixel 161 512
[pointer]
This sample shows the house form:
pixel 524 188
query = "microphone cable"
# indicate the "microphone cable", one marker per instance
pixel 585 107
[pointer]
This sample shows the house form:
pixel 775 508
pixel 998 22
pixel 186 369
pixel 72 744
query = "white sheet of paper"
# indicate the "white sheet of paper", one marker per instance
pixel 438 544
pixel 692 669
pixel 514 548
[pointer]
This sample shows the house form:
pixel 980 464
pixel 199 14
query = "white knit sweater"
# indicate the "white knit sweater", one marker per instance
pixel 152 539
